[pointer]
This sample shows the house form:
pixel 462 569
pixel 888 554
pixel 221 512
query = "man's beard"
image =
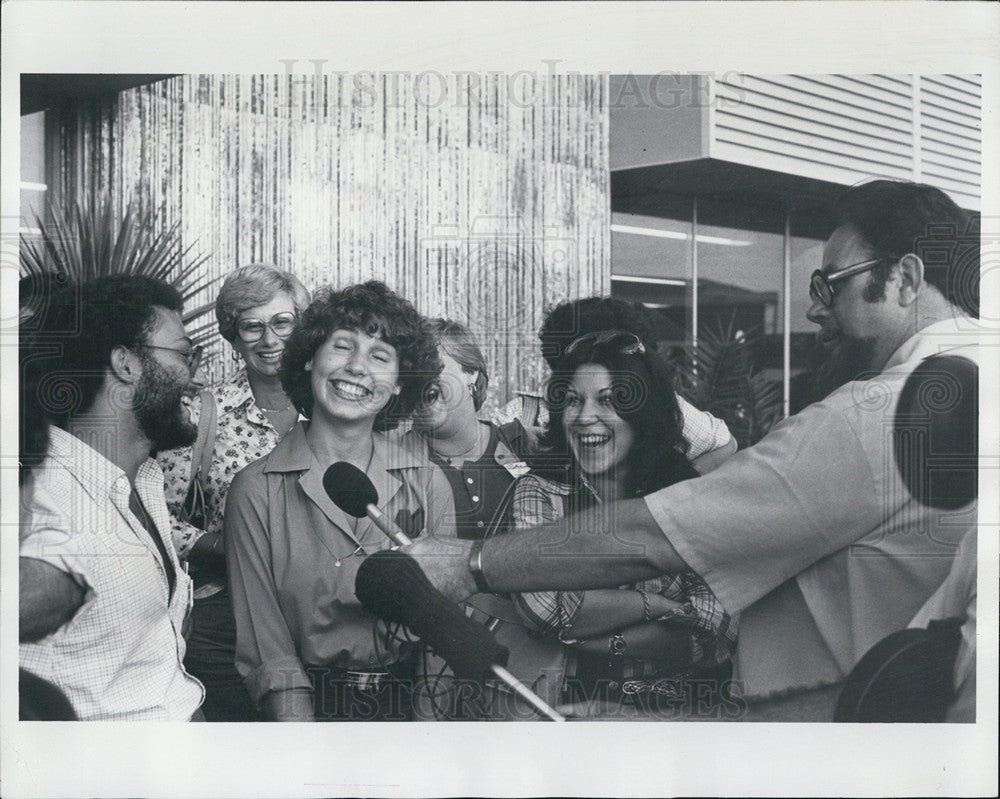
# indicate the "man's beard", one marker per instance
pixel 158 408
pixel 840 362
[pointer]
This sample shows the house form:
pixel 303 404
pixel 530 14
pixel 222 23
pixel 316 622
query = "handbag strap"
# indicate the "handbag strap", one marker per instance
pixel 204 445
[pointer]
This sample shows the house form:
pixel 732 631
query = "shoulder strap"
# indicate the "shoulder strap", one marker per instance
pixel 204 445
pixel 529 411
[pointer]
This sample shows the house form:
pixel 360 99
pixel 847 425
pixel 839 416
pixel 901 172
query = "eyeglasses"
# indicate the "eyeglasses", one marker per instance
pixel 821 283
pixel 192 356
pixel 619 340
pixel 251 330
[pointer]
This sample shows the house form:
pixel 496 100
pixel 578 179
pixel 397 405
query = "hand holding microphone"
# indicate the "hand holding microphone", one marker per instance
pixel 354 493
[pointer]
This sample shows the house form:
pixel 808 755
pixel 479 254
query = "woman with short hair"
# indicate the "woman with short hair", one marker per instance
pixel 307 650
pixel 257 309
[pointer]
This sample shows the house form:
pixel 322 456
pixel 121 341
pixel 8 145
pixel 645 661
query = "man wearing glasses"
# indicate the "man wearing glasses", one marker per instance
pixel 811 534
pixel 103 598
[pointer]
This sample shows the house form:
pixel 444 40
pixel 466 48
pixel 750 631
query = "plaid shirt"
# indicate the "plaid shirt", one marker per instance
pixel 713 631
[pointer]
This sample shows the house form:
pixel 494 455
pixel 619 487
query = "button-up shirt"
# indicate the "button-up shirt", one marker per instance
pixel 812 534
pixel 120 656
pixel 293 555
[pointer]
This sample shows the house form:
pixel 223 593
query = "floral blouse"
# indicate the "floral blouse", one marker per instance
pixel 243 435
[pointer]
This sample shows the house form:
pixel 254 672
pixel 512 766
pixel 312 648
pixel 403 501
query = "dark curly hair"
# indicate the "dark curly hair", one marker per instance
pixel 372 308
pixel 82 325
pixel 642 395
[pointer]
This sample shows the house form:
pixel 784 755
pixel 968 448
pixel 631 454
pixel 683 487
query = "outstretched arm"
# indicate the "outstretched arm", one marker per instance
pixel 603 547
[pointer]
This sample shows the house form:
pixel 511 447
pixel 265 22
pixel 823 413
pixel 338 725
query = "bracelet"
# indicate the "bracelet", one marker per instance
pixel 616 645
pixel 476 567
pixel 646 616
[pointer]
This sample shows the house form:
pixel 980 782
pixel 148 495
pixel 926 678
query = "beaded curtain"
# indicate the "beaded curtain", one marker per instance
pixel 481 198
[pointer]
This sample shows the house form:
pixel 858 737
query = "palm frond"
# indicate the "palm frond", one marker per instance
pixel 86 240
pixel 718 375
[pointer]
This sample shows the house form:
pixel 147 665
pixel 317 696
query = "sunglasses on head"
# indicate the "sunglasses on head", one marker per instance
pixel 619 340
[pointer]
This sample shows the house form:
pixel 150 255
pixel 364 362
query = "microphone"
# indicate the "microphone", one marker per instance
pixel 352 492
pixel 392 586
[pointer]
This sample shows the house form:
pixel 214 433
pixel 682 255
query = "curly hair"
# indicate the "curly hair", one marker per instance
pixel 574 318
pixel 374 309
pixel 83 324
pixel 643 396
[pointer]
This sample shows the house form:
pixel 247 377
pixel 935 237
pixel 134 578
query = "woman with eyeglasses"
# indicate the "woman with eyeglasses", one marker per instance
pixel 308 651
pixel 257 309
pixel 614 432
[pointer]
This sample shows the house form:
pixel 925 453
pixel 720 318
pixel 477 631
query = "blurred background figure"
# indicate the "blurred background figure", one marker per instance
pixel 481 461
pixel 354 366
pixel 238 421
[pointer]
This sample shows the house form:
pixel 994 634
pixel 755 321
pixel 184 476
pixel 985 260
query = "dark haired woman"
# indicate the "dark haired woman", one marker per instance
pixel 307 650
pixel 614 432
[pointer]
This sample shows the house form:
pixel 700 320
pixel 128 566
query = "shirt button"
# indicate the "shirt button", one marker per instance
pixel 468 480
pixel 475 498
pixel 479 524
pixel 336 563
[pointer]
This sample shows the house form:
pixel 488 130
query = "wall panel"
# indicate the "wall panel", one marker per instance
pixel 478 197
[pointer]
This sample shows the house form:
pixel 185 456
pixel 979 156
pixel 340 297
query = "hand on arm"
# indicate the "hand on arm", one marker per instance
pixel 48 598
pixel 714 458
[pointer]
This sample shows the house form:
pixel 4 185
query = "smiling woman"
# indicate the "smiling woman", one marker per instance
pixel 354 366
pixel 257 307
pixel 614 432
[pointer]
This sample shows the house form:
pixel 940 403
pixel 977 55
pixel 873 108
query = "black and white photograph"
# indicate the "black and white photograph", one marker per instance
pixel 443 369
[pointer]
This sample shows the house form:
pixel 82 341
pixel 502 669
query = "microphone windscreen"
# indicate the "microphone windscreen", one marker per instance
pixel 349 488
pixel 392 586
pixel 936 435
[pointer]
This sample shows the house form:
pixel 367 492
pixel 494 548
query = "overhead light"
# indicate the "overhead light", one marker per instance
pixel 677 236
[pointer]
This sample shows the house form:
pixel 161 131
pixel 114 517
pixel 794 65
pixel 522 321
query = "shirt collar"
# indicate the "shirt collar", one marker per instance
pixel 98 476
pixel 292 454
pixel 236 392
pixel 948 334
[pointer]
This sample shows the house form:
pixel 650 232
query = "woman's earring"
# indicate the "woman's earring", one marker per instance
pixel 236 356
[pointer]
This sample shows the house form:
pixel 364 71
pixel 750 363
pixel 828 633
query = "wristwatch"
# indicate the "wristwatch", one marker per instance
pixel 476 567
pixel 616 645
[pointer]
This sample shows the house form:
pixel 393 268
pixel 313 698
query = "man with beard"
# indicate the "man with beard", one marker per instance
pixel 811 535
pixel 103 598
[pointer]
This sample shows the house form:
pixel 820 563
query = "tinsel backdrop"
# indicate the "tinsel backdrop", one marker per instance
pixel 482 198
